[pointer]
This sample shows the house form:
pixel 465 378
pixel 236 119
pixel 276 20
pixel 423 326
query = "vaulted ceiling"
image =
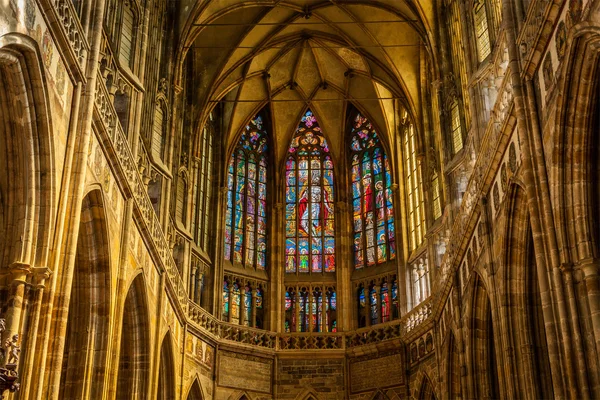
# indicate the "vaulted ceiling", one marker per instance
pixel 294 54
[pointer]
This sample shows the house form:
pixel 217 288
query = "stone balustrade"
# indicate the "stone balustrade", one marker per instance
pixel 127 174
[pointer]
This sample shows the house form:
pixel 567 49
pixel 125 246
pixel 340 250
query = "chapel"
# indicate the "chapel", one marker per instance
pixel 299 199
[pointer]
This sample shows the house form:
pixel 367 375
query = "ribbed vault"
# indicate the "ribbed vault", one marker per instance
pixel 297 53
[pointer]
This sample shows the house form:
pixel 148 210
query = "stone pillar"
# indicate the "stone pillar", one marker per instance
pixel 297 311
pixel 253 309
pixel 368 305
pixel 243 305
pixel 324 319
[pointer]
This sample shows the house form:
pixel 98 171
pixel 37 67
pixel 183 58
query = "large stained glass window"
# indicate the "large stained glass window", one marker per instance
pixel 246 214
pixel 310 243
pixel 374 233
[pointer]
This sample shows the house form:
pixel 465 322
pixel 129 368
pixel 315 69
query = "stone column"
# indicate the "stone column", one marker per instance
pixel 324 303
pixel 253 309
pixel 243 305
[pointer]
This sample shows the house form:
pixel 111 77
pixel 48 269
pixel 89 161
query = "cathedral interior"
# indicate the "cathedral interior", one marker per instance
pixel 299 199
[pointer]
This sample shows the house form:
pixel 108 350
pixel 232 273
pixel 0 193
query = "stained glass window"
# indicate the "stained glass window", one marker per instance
pixel 259 309
pixel 481 30
pixel 225 300
pixel 385 303
pixel 373 304
pixel 235 303
pixel 310 242
pixel 374 233
pixel 331 312
pixel 289 311
pixel 201 222
pixel 395 305
pixel 362 307
pixel 414 189
pixel 246 214
pixel 458 55
pixel 247 306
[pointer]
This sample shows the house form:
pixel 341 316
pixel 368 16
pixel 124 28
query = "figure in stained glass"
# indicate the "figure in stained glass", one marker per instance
pixel 309 201
pixel 374 239
pixel 245 217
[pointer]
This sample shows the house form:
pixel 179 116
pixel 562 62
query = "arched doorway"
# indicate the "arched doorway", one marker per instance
pixel 134 359
pixel 195 392
pixel 84 359
pixel 166 374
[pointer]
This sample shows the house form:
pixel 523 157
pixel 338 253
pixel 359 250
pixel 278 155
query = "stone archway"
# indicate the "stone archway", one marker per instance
pixel 86 342
pixel 426 392
pixel 482 345
pixel 195 392
pixel 166 374
pixel 134 357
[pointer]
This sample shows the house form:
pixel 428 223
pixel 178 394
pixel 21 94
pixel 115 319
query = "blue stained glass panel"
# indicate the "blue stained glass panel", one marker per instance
pixel 329 245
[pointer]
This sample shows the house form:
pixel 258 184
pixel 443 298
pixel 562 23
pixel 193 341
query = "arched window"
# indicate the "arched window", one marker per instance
pixel 414 189
pixel 303 311
pixel 182 196
pixel 246 215
pixel 482 33
pixel 457 53
pixel 159 131
pixel 437 199
pixel 310 242
pixel 374 233
pixel 203 187
pixel 126 47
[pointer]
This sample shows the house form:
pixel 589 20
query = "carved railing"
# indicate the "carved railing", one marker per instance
pixel 129 178
pixel 417 316
pixel 495 140
pixel 210 325
pixel 533 28
pixel 311 341
pixel 65 15
pixel 223 330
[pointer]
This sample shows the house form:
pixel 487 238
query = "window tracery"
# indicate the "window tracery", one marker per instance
pixel 414 187
pixel 373 216
pixel 310 241
pixel 246 214
pixel 203 187
pixel 377 301
pixel 243 301
pixel 310 309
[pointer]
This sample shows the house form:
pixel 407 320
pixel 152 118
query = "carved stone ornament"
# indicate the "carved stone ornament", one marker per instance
pixel 10 361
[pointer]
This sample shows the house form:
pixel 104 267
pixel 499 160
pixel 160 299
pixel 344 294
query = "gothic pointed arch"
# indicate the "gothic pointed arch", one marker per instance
pixel 167 371
pixel 134 357
pixel 246 204
pixel 26 152
pixel 309 213
pixel 426 392
pixel 453 368
pixel 195 391
pixel 481 339
pixel 372 199
pixel 521 286
pixel 88 321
